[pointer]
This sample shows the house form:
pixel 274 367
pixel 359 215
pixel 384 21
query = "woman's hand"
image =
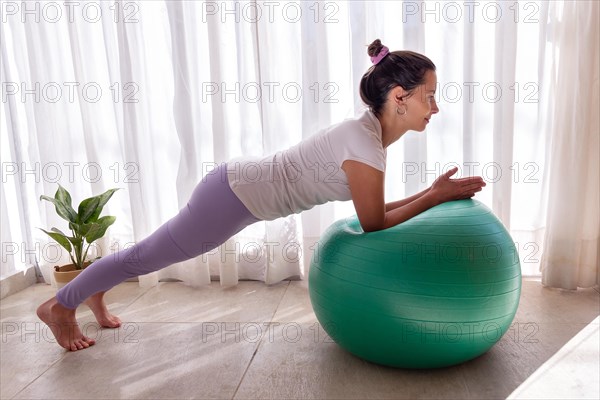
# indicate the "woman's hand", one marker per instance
pixel 445 189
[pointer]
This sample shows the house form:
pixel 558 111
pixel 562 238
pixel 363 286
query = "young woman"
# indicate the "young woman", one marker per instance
pixel 399 91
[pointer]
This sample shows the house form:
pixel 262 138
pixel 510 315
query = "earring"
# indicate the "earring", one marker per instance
pixel 398 111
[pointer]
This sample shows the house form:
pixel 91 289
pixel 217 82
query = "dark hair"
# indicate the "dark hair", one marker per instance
pixel 399 68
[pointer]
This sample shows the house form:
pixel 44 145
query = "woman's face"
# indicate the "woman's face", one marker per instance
pixel 421 105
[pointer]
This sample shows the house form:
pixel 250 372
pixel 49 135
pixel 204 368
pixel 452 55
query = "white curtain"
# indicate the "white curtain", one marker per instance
pixel 572 240
pixel 185 85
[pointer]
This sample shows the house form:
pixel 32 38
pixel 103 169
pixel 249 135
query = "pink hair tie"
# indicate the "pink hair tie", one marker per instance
pixel 382 53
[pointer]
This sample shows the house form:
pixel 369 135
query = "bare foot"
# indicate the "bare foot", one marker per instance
pixel 96 303
pixel 63 325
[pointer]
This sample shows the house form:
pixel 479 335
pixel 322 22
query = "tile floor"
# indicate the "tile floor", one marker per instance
pixel 254 341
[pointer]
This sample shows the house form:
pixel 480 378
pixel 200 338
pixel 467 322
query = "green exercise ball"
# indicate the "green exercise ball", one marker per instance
pixel 437 290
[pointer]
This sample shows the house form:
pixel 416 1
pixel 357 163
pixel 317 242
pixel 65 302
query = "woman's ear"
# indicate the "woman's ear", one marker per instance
pixel 398 95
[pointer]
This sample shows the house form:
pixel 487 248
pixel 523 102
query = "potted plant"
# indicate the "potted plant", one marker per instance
pixel 86 226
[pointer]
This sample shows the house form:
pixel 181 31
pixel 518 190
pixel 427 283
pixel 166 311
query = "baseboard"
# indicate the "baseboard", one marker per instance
pixel 17 282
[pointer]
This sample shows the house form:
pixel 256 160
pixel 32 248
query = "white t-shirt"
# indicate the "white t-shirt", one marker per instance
pixel 309 173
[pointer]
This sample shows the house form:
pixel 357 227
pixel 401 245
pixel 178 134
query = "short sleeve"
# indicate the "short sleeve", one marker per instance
pixel 359 141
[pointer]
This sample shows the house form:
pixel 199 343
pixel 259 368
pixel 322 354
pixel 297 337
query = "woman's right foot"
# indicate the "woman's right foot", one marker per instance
pixel 63 325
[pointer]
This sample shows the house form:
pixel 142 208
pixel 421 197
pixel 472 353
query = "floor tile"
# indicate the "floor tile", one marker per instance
pixel 295 306
pixel 148 360
pixel 28 346
pixel 300 361
pixel 27 350
pixel 541 304
pixel 249 301
pixel 22 305
pixel 294 362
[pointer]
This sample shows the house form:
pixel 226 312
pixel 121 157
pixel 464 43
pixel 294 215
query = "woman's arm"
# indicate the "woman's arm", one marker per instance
pixel 399 203
pixel 367 190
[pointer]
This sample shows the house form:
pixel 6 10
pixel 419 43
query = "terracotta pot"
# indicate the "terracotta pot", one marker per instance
pixel 66 273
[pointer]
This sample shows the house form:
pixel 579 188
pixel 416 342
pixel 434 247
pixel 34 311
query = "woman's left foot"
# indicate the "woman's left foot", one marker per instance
pixel 96 303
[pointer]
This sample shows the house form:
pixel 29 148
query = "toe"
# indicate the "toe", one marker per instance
pixel 88 341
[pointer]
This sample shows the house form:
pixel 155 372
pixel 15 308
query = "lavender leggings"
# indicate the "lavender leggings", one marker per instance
pixel 213 214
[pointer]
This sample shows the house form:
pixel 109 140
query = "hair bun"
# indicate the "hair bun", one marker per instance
pixel 374 48
pixel 377 51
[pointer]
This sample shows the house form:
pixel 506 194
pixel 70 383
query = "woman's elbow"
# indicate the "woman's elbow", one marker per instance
pixel 372 225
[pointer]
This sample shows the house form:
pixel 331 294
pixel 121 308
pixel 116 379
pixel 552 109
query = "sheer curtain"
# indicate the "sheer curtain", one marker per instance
pixel 572 238
pixel 155 93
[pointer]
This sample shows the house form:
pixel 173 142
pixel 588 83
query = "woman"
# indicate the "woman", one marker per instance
pixel 343 162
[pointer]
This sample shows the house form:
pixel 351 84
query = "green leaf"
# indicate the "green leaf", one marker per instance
pixel 58 231
pixel 76 242
pixel 99 228
pixel 87 208
pixel 104 197
pixel 65 212
pixel 63 196
pixel 80 229
pixel 59 237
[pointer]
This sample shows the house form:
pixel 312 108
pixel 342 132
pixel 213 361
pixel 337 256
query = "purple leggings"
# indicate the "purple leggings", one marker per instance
pixel 213 214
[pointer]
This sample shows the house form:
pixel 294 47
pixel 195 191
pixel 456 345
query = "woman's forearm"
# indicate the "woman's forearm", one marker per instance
pixel 407 211
pixel 400 203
